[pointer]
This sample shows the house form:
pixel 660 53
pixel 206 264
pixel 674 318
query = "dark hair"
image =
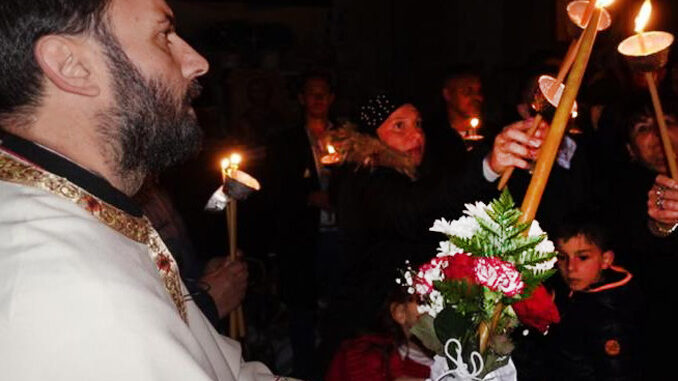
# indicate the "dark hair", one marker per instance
pixel 640 106
pixel 322 75
pixel 460 71
pixel 584 222
pixel 22 23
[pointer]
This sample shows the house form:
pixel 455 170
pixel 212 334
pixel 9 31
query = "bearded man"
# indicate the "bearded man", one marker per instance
pixel 95 95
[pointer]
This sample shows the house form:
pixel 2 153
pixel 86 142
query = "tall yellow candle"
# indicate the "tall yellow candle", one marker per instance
pixel 549 149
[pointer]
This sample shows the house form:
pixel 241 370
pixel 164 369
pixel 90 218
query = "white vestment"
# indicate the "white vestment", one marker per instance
pixel 81 302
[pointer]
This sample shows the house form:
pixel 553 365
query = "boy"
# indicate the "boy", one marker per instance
pixel 599 308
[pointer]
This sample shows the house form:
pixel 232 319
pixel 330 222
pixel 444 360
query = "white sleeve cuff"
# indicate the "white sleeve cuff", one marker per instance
pixel 488 173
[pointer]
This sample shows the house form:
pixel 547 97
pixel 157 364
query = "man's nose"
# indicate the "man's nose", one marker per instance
pixel 193 65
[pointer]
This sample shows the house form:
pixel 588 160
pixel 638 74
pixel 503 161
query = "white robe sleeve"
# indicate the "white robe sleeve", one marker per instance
pixel 81 302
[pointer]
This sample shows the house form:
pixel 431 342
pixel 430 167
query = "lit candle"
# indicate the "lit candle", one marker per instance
pixel 640 22
pixel 332 156
pixel 225 164
pixel 475 122
pixel 229 169
pixel 549 149
pixel 236 159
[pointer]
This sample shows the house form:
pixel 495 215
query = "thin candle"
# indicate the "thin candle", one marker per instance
pixel 549 149
pixel 640 23
pixel 586 17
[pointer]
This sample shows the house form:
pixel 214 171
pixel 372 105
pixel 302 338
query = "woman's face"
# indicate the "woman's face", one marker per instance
pixel 402 132
pixel 646 144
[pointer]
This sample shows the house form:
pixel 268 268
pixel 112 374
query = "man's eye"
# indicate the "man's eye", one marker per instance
pixel 584 257
pixel 398 125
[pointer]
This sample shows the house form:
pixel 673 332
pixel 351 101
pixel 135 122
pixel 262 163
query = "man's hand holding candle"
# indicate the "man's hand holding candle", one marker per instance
pixel 515 147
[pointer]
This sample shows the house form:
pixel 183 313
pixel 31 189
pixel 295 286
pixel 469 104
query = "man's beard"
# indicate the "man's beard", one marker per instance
pixel 148 129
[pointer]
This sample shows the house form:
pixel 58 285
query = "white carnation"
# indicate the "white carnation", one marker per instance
pixel 435 304
pixel 465 227
pixel 478 210
pixel 544 246
pixel 448 249
pixel 543 266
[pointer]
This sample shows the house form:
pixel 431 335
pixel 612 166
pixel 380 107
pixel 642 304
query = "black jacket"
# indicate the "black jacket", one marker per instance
pixel 597 337
pixel 384 218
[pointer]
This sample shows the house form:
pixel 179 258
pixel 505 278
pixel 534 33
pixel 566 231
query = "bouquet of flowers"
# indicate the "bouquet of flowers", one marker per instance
pixel 486 277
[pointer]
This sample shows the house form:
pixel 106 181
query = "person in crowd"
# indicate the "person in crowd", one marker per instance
pixel 297 183
pixel 463 95
pixel 449 127
pixel 386 208
pixel 570 180
pixel 639 200
pixel 600 307
pixel 94 96
pixel 389 352
pixel 218 286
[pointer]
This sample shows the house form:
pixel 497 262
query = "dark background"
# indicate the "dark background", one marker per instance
pixel 403 46
pixel 400 45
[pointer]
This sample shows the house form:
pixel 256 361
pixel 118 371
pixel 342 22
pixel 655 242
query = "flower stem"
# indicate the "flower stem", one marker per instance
pixel 484 331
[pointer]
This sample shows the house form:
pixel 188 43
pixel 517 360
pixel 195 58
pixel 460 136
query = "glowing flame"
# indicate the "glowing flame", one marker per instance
pixel 574 114
pixel 643 16
pixel 236 159
pixel 225 163
pixel 330 149
pixel 604 3
pixel 475 122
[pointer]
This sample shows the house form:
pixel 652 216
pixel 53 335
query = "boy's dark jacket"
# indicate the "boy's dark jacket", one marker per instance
pixel 597 338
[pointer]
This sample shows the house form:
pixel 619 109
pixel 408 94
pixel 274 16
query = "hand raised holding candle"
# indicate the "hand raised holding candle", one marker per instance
pixel 514 147
pixel 662 201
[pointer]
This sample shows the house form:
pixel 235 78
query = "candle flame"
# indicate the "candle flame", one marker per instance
pixel 475 122
pixel 604 3
pixel 330 149
pixel 225 163
pixel 574 114
pixel 643 16
pixel 236 159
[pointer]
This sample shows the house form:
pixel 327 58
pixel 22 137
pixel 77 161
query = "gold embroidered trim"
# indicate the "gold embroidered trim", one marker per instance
pixel 138 229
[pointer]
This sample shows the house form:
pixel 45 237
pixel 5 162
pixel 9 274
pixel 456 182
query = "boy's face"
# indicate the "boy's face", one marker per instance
pixel 581 262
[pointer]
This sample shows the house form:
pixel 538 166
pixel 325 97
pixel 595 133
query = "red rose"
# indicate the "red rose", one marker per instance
pixel 538 311
pixel 459 266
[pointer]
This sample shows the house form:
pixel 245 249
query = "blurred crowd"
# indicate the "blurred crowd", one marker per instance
pixel 324 238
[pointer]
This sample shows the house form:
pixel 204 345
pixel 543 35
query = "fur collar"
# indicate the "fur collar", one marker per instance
pixel 368 151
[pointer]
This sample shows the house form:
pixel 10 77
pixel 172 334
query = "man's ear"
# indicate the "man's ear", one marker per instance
pixel 608 259
pixel 399 313
pixel 61 60
pixel 631 151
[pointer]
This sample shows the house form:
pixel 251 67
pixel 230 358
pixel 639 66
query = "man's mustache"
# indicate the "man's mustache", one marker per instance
pixel 192 92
